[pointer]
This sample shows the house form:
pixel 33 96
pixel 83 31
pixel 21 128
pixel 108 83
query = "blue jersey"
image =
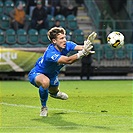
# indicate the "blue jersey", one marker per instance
pixel 47 64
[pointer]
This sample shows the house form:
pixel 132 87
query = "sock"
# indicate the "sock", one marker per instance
pixel 54 94
pixel 43 95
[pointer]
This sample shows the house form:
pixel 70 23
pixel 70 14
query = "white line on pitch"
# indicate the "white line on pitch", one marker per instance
pixel 71 111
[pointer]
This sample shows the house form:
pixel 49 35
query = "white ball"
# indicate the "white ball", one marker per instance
pixel 115 39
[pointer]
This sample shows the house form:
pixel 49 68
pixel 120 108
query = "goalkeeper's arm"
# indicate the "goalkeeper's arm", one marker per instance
pixel 86 49
pixel 71 59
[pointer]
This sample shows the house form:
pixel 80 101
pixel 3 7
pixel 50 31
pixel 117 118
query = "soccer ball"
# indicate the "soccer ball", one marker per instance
pixel 115 39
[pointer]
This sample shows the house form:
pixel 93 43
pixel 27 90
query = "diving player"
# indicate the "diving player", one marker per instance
pixel 44 75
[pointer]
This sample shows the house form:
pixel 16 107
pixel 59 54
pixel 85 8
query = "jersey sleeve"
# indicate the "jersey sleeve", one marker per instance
pixel 71 45
pixel 53 57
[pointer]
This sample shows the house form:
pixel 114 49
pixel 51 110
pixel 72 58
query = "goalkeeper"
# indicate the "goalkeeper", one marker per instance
pixel 44 75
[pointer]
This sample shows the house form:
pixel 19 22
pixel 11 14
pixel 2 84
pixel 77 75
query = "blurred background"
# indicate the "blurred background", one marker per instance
pixel 22 43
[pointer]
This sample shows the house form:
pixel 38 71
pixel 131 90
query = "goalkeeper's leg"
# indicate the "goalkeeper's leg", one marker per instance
pixel 42 82
pixel 55 93
pixel 43 98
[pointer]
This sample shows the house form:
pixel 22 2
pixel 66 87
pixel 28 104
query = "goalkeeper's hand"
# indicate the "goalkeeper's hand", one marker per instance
pixel 87 46
pixel 87 50
pixel 90 39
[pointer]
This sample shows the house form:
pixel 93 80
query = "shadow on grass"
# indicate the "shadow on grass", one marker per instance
pixel 104 128
pixel 58 121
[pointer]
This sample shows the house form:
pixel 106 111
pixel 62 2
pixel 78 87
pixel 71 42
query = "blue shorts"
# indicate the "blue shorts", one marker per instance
pixel 54 81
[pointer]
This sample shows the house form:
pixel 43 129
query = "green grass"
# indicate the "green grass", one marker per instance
pixel 92 107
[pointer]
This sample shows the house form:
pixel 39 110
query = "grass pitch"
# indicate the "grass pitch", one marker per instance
pixel 92 107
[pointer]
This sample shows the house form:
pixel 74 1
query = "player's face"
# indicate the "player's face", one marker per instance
pixel 60 41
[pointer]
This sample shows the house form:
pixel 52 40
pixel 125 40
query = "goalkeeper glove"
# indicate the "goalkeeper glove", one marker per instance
pixel 90 39
pixel 85 52
pixel 87 46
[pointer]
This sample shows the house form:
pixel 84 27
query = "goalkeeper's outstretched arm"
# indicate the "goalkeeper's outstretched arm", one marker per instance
pixel 82 51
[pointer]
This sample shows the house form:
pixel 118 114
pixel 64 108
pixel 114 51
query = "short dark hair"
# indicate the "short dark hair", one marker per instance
pixel 54 32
